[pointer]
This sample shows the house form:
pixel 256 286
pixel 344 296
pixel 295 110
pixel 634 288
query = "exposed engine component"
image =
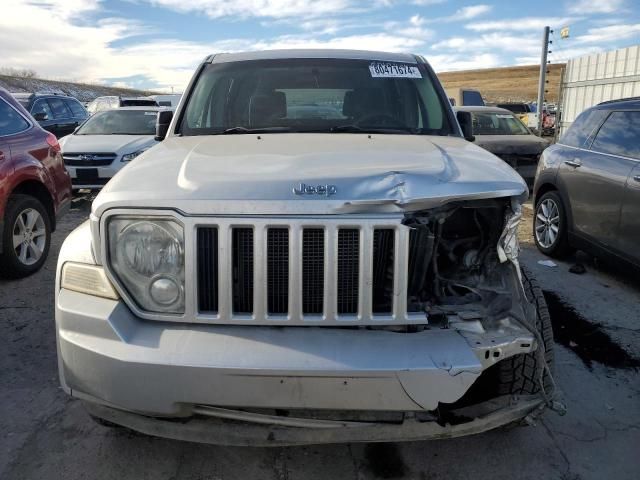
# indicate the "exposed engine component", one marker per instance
pixel 454 264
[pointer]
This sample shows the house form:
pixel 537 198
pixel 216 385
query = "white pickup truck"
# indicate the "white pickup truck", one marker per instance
pixel 313 253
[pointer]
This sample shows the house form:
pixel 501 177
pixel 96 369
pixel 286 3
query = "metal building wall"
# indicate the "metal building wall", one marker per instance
pixel 596 78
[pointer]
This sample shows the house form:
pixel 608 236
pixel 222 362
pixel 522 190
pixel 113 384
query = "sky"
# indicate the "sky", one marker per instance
pixel 156 44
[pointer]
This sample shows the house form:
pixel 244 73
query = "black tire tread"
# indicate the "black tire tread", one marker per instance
pixel 520 374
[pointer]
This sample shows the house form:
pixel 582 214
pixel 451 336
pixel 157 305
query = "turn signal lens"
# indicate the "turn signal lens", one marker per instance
pixel 89 279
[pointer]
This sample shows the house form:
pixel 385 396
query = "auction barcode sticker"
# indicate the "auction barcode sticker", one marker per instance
pixel 394 70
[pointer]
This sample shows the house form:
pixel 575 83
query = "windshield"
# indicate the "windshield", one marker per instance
pixel 497 124
pixel 120 122
pixel 315 95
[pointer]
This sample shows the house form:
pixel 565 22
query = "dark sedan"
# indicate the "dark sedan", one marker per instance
pixel 503 134
pixel 587 188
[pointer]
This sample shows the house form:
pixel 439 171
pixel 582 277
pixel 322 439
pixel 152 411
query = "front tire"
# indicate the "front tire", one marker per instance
pixel 550 226
pixel 521 374
pixel 26 237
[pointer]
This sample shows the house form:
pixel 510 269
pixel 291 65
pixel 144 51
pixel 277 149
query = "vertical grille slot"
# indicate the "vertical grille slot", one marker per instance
pixel 383 256
pixel 348 270
pixel 277 270
pixel 312 270
pixel 242 270
pixel 207 239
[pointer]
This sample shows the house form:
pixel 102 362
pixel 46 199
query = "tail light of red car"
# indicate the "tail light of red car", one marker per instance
pixel 53 142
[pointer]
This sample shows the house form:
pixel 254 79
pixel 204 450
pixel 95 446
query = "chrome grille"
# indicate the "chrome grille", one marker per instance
pixel 207 267
pixel 88 159
pixel 348 270
pixel 302 272
pixel 242 270
pixel 312 270
pixel 277 270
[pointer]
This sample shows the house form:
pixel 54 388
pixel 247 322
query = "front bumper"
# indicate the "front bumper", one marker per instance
pixel 103 175
pixel 109 356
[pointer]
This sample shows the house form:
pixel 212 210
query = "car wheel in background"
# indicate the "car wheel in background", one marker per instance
pixel 26 237
pixel 550 226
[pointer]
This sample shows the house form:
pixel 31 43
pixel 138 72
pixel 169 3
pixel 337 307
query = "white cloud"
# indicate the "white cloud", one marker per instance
pixel 582 7
pixel 463 14
pixel 611 33
pixel 257 8
pixel 427 2
pixel 519 24
pixel 472 11
pixel 491 42
pixel 448 63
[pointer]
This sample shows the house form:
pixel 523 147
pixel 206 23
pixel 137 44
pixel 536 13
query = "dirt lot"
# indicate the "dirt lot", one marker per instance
pixel 44 434
pixel 507 84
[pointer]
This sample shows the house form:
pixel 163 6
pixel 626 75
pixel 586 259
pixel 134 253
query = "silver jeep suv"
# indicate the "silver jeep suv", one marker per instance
pixel 314 253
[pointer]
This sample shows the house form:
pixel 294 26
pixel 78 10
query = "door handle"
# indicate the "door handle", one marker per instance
pixel 573 163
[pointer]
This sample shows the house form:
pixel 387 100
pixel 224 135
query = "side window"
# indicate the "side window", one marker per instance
pixel 583 127
pixel 619 135
pixel 75 108
pixel 471 97
pixel 42 106
pixel 59 109
pixel 11 121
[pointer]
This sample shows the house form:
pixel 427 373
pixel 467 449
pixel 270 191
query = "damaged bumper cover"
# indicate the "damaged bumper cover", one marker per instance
pixel 109 356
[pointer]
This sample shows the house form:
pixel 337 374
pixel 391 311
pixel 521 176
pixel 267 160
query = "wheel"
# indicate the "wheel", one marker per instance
pixel 26 237
pixel 520 374
pixel 550 226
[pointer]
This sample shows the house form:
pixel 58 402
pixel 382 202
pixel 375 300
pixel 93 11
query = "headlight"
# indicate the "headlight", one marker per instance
pixel 130 156
pixel 509 245
pixel 147 256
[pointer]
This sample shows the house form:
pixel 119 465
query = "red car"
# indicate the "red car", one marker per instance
pixel 35 189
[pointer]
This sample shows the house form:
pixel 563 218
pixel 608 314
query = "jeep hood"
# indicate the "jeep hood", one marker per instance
pixel 256 174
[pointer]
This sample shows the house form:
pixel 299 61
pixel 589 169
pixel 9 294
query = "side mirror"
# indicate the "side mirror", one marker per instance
pixel 41 117
pixel 162 124
pixel 466 125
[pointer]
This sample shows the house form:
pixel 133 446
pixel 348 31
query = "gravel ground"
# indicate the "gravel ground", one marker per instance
pixel 44 434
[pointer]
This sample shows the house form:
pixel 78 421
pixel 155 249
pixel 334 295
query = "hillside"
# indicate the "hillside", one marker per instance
pixel 507 84
pixel 83 92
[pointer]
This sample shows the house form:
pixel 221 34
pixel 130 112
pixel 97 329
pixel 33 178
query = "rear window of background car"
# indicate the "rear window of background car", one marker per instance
pixel 59 108
pixel 619 135
pixel 11 121
pixel 76 108
pixel 583 127
pixel 42 106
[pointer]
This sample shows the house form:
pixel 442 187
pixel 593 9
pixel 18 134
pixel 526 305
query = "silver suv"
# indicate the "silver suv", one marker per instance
pixel 313 254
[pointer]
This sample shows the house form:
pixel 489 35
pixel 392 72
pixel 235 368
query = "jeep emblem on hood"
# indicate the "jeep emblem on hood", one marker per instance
pixel 304 189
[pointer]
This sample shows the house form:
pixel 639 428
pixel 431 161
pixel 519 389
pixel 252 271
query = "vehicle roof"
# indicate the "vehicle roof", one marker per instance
pixel 125 97
pixel 471 108
pixel 631 102
pixel 24 95
pixel 312 53
pixel 147 108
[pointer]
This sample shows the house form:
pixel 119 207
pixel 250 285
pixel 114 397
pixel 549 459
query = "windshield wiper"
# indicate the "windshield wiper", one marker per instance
pixel 357 129
pixel 242 130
